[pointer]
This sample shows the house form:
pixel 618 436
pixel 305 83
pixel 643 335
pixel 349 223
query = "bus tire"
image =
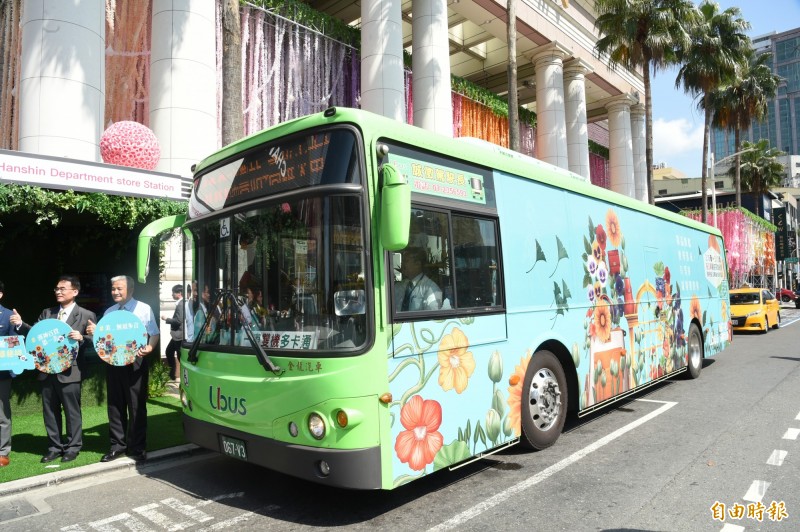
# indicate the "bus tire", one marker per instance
pixel 543 405
pixel 694 351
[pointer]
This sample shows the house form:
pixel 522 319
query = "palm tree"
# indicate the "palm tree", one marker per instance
pixel 716 56
pixel 736 106
pixel 646 34
pixel 760 169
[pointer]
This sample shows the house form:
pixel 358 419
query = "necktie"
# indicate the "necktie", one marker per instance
pixel 407 296
pixel 62 314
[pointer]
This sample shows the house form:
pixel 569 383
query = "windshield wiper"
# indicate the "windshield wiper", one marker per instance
pixel 263 358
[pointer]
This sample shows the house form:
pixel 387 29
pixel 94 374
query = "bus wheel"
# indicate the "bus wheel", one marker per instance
pixel 694 344
pixel 544 401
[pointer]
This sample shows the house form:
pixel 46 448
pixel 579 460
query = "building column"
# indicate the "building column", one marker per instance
pixel 433 108
pixel 620 164
pixel 575 71
pixel 551 127
pixel 183 83
pixel 382 84
pixel 639 155
pixel 62 78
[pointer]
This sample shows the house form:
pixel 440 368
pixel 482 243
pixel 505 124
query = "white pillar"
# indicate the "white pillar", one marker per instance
pixel 575 71
pixel 639 156
pixel 62 78
pixel 433 108
pixel 551 128
pixel 183 83
pixel 620 164
pixel 382 85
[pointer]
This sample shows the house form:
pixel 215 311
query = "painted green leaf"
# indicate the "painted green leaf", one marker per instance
pixel 587 246
pixel 539 256
pixel 468 431
pixel 659 268
pixel 565 289
pixel 562 251
pixel 587 280
pixel 450 454
pixel 480 434
pixel 591 227
pixel 499 402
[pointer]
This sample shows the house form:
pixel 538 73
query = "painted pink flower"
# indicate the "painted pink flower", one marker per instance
pixel 419 443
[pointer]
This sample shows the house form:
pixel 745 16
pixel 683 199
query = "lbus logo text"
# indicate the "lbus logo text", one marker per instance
pixel 226 403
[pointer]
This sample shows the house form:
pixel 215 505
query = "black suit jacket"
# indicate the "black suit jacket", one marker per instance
pixel 78 319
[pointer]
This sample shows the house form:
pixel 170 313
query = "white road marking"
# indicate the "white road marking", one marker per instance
pixel 187 510
pixel 240 518
pixel 776 458
pixel 797 417
pixel 731 528
pixel 150 512
pixel 757 490
pixel 504 495
pixel 791 434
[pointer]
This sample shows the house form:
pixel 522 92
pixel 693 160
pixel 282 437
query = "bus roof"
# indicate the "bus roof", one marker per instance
pixel 481 152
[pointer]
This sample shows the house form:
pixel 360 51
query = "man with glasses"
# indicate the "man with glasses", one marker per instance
pixel 61 392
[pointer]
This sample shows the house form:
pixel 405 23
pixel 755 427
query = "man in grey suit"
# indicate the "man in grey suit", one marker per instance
pixel 62 391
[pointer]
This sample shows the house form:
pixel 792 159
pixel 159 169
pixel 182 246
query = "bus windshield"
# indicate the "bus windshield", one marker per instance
pixel 298 269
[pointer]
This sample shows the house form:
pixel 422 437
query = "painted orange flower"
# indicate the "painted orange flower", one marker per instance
pixel 456 364
pixel 515 393
pixel 419 443
pixel 694 309
pixel 602 322
pixel 612 228
pixel 712 243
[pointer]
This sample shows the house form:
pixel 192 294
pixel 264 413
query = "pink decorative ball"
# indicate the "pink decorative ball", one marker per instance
pixel 131 144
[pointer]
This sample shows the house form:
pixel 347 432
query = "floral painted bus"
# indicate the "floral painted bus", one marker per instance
pixel 374 302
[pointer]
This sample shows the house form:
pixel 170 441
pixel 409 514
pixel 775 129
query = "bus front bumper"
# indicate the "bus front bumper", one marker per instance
pixel 354 469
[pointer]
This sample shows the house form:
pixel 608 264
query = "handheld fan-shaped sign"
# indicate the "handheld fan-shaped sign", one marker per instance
pixel 51 349
pixel 13 356
pixel 118 337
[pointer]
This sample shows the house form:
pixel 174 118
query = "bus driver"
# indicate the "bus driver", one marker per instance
pixel 416 291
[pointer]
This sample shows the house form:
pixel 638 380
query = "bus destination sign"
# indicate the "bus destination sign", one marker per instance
pixel 439 180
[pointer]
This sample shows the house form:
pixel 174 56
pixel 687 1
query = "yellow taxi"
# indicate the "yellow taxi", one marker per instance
pixel 754 309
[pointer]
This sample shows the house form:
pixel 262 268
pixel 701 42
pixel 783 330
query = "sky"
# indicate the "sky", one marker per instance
pixel 677 123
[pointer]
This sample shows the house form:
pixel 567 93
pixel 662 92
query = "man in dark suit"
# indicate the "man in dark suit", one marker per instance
pixel 176 325
pixel 62 391
pixel 6 329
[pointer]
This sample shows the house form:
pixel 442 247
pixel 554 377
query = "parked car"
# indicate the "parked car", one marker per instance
pixel 787 296
pixel 754 309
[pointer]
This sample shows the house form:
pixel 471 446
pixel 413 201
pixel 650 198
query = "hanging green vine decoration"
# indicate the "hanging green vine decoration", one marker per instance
pixel 498 105
pixel 760 222
pixel 308 17
pixel 51 206
pixel 598 149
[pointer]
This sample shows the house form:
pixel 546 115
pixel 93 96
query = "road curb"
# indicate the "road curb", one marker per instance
pixel 15 487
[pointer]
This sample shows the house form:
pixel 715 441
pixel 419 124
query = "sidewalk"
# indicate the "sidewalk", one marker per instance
pixel 14 487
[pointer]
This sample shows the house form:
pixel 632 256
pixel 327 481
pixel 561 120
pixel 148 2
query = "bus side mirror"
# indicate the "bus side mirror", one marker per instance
pixel 395 209
pixel 146 236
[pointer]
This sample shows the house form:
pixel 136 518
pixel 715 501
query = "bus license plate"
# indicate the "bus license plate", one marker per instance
pixel 233 447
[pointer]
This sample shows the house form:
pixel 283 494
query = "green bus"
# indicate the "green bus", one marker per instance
pixel 374 302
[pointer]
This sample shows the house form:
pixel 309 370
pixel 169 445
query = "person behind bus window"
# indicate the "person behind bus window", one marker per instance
pixel 416 291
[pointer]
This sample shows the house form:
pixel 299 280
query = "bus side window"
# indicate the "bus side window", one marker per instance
pixel 476 262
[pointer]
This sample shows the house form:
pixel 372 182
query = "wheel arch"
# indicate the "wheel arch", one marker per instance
pixel 570 371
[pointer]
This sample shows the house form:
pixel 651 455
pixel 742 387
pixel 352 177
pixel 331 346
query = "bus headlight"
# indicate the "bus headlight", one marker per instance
pixel 316 426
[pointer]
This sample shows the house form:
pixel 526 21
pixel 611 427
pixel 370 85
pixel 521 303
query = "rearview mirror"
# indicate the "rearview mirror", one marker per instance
pixel 349 302
pixel 395 209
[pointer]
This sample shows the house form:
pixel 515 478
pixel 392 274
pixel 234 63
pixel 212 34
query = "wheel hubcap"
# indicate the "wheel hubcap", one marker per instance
pixel 545 399
pixel 695 352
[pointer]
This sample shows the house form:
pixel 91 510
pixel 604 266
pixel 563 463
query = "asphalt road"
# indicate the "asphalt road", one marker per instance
pixel 687 455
